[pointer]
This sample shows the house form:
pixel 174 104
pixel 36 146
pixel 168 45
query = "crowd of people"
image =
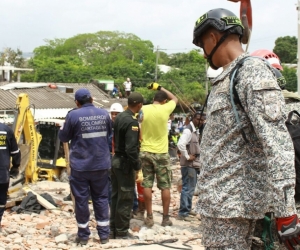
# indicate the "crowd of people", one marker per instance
pixel 240 149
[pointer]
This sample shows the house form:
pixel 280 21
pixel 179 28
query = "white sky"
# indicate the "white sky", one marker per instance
pixel 167 23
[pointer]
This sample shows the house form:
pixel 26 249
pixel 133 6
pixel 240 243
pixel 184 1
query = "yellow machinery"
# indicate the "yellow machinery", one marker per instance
pixel 30 141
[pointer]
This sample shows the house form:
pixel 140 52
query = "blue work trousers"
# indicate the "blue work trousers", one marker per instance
pixel 189 180
pixel 3 198
pixel 97 183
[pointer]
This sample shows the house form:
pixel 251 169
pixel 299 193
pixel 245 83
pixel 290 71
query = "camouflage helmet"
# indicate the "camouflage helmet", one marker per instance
pixel 221 20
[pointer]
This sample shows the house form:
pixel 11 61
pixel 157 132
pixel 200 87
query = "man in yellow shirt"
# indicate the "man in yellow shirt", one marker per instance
pixel 154 150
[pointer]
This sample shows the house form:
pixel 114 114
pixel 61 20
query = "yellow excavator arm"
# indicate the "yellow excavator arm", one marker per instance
pixel 24 128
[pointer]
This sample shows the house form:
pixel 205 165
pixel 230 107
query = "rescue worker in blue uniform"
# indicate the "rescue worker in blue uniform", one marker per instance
pixel 124 164
pixel 89 128
pixel 8 148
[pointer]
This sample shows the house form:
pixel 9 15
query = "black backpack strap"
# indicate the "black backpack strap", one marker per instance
pixel 205 104
pixel 233 78
pixel 234 97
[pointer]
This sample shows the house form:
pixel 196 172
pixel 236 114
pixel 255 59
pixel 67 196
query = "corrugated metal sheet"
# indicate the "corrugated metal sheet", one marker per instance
pixel 7 100
pixel 46 98
pixel 22 85
pixel 97 94
pixel 40 114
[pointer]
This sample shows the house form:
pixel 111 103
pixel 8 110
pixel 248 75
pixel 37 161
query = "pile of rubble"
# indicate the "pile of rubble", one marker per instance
pixel 55 228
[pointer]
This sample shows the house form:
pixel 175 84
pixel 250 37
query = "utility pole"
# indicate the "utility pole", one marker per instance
pixel 156 62
pixel 298 50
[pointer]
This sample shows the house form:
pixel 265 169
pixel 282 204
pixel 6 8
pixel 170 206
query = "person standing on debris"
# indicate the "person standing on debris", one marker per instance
pixel 127 86
pixel 189 148
pixel 89 128
pixel 180 124
pixel 124 164
pixel 154 150
pixel 8 148
pixel 247 164
pixel 115 109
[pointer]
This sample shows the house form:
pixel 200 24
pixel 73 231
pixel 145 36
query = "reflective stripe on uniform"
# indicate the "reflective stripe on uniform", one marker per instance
pixel 103 223
pixel 95 134
pixel 14 152
pixel 3 132
pixel 2 147
pixel 83 225
pixel 2 205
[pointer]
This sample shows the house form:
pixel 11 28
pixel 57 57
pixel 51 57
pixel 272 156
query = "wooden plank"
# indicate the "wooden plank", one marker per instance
pixel 67 158
pixel 46 204
pixel 14 188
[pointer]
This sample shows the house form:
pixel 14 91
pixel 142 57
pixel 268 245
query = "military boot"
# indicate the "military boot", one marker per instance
pixel 141 211
pixel 166 221
pixel 149 222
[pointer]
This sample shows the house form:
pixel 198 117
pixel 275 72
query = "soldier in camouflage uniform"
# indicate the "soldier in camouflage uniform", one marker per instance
pixel 240 178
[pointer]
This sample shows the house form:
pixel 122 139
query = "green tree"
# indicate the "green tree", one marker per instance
pixel 13 57
pixel 290 76
pixel 105 53
pixel 116 56
pixel 286 49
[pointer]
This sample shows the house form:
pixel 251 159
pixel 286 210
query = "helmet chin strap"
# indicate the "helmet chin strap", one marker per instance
pixel 209 57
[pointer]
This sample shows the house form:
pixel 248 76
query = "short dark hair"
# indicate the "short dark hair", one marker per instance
pixel 196 114
pixel 133 105
pixel 160 96
pixel 85 100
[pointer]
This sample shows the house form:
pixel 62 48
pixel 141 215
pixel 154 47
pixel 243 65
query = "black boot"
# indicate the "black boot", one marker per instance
pixel 68 198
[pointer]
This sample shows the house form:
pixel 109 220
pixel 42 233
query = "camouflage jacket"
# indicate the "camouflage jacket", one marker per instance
pixel 239 179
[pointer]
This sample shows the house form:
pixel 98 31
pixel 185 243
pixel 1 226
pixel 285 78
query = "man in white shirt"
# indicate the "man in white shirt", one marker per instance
pixel 127 86
pixel 189 147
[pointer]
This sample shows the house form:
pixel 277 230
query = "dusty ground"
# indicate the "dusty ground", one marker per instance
pixel 57 229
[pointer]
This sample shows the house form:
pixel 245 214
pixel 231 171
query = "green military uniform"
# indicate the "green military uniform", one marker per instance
pixel 124 163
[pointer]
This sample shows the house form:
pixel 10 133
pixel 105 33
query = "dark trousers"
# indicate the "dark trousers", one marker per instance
pixel 3 198
pixel 123 184
pixel 189 180
pixel 82 185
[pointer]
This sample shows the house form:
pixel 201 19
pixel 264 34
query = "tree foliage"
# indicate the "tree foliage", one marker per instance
pixel 116 56
pixel 290 76
pixel 12 57
pixel 286 49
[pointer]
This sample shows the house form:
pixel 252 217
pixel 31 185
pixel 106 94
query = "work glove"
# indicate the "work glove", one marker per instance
pixel 289 231
pixel 14 172
pixel 154 86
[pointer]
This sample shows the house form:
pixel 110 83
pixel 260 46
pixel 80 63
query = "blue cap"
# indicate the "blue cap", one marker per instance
pixel 82 94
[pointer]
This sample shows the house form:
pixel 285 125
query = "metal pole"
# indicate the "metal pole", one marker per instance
pixel 156 63
pixel 298 52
